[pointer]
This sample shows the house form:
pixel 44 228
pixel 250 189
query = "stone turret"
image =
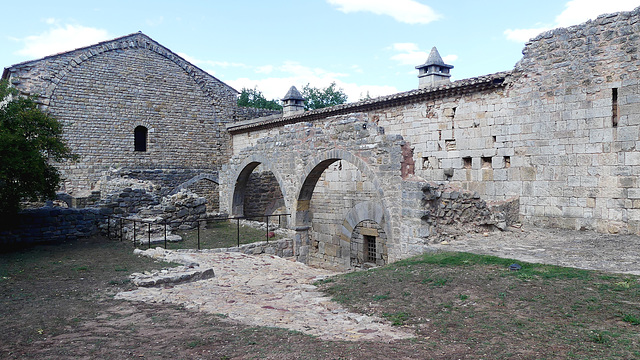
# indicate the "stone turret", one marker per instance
pixel 292 103
pixel 434 71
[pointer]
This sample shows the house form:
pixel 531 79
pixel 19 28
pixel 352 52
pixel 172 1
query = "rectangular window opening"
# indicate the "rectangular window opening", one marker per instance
pixel 467 162
pixel 486 162
pixel 614 107
pixel 370 248
pixel 507 161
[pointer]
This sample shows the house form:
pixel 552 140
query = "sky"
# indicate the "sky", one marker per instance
pixel 367 47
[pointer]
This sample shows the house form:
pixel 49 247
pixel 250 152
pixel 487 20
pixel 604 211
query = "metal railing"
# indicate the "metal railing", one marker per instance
pixel 117 230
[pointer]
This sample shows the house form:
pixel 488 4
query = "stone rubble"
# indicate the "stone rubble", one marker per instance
pixel 265 290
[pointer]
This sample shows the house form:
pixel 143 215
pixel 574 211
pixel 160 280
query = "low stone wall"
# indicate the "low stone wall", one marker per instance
pixel 50 224
pixel 281 248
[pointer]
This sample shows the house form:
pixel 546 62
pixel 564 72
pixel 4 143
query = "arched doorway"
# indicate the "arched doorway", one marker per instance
pixel 330 190
pixel 258 192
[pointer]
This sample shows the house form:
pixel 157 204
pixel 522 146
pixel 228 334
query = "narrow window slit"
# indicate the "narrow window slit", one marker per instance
pixel 614 107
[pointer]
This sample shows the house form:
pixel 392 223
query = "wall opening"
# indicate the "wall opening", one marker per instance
pixel 368 245
pixel 486 162
pixel 140 134
pixel 614 107
pixel 467 162
pixel 257 193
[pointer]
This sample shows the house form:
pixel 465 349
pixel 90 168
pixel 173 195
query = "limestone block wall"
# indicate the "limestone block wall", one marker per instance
pixel 305 158
pixel 263 196
pixel 340 188
pixel 103 92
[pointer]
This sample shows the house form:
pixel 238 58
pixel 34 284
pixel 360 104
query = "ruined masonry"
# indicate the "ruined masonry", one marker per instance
pixel 551 142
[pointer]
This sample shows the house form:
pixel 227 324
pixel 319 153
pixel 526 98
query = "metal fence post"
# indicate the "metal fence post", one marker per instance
pixel 134 233
pixel 238 230
pixel 198 234
pixel 165 234
pixel 149 235
pixel 267 229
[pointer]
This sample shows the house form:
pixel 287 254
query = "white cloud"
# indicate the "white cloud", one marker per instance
pixel 410 54
pixel 60 39
pixel 575 12
pixel 523 35
pixel 450 58
pixel 406 11
pixel 292 73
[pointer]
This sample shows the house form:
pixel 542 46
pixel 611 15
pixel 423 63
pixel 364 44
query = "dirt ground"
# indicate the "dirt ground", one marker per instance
pixel 57 302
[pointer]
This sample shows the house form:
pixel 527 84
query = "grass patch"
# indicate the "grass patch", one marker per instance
pixel 462 298
pixel 220 234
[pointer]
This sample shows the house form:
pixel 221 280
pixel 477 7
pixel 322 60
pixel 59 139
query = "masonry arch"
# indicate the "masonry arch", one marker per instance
pixel 314 171
pixel 365 231
pixel 333 184
pixel 205 185
pixel 243 178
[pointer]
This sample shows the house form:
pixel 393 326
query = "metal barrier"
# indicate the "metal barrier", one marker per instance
pixel 120 225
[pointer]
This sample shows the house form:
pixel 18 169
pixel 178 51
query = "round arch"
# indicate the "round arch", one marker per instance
pixel 241 176
pixel 314 171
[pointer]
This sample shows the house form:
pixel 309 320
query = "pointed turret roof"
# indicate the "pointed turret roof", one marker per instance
pixel 293 94
pixel 434 59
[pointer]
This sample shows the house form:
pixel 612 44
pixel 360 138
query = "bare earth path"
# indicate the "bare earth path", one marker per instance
pixel 270 291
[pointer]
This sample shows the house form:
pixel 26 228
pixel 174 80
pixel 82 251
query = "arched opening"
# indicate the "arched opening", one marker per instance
pixel 140 134
pixel 368 245
pixel 258 193
pixel 209 190
pixel 329 192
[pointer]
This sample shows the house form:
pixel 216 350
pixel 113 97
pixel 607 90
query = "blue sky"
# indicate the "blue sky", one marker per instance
pixel 363 45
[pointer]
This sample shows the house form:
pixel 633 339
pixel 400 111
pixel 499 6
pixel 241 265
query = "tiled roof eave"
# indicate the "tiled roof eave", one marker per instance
pixel 453 89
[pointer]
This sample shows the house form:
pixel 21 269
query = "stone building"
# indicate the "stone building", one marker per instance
pixel 555 139
pixel 552 142
pixel 132 108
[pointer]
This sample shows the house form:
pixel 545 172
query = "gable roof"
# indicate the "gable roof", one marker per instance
pixel 49 70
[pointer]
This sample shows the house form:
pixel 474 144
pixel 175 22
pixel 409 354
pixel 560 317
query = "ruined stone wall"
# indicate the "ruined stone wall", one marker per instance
pixel 103 92
pixel 208 190
pixel 51 224
pixel 577 99
pixel 561 134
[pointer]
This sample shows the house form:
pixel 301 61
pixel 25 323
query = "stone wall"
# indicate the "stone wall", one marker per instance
pixel 103 92
pixel 247 113
pixel 51 224
pixel 263 196
pixel 340 188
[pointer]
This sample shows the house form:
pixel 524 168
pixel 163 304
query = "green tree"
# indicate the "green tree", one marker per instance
pixel 29 140
pixel 254 98
pixel 315 98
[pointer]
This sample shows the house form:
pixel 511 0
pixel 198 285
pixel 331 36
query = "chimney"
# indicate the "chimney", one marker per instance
pixel 292 103
pixel 434 71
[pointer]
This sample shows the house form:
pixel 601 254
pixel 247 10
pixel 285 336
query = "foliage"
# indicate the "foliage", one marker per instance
pixel 255 99
pixel 29 138
pixel 315 98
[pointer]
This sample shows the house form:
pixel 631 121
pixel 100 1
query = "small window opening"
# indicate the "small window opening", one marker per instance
pixel 467 161
pixel 494 138
pixel 370 248
pixel 486 162
pixel 140 138
pixel 614 107
pixel 507 161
